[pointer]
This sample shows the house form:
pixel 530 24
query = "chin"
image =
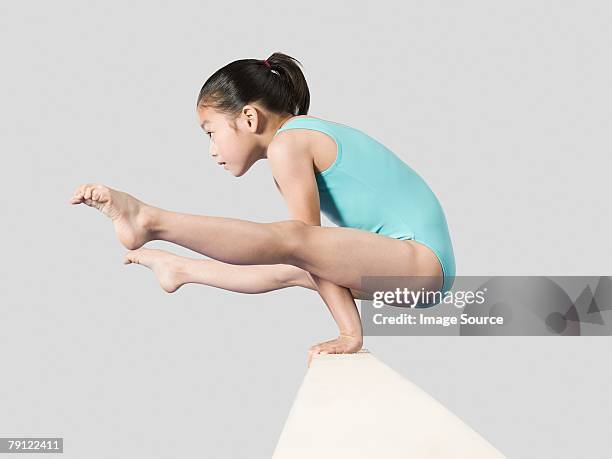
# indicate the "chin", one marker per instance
pixel 240 172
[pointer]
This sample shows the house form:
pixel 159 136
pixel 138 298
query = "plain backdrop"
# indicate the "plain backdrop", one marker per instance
pixel 504 108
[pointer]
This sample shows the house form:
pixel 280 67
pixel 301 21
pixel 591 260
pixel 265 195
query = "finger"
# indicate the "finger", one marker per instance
pixel 88 191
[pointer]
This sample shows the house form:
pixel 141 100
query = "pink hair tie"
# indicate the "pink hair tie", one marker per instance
pixel 267 64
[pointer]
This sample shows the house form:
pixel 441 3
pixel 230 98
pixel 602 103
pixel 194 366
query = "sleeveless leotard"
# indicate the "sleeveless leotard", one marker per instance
pixel 370 188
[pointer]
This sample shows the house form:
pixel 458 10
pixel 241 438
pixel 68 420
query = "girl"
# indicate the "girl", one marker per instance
pixel 389 221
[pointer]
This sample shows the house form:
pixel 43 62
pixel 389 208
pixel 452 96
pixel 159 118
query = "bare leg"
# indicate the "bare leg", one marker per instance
pixel 231 240
pixel 340 255
pixel 173 271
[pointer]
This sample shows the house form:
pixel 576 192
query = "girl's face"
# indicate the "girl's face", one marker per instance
pixel 233 143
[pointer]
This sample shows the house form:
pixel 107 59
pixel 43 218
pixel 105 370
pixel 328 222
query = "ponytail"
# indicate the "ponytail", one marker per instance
pixel 276 82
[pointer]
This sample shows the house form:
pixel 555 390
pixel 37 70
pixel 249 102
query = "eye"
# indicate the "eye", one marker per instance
pixel 209 134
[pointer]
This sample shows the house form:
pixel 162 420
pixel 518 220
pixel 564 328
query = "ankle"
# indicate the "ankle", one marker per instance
pixel 181 266
pixel 149 219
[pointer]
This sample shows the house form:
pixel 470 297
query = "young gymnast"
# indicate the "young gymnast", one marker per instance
pixel 389 221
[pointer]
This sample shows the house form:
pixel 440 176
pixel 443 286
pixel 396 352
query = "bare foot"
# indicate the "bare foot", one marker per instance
pixel 130 216
pixel 166 266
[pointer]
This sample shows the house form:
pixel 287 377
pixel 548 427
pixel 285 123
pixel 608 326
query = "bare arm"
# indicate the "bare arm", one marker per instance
pixel 293 171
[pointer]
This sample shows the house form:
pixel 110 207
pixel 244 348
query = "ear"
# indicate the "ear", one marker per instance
pixel 251 117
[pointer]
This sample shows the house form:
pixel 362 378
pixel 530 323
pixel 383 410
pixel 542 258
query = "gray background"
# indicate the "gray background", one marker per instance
pixel 503 107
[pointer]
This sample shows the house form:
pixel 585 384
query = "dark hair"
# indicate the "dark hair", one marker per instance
pixel 279 85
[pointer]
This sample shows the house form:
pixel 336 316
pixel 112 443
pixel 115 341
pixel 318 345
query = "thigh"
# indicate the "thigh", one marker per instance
pixel 345 255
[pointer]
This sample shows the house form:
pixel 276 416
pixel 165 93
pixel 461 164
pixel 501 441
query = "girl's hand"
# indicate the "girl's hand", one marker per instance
pixel 344 344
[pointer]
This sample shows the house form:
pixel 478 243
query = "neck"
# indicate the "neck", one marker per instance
pixel 274 125
pixel 282 120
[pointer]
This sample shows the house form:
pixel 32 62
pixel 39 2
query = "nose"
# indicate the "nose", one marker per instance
pixel 212 149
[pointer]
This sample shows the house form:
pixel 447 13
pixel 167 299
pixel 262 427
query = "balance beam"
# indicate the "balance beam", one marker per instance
pixel 354 406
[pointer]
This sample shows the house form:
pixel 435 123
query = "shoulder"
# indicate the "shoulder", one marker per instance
pixel 290 146
pixel 291 161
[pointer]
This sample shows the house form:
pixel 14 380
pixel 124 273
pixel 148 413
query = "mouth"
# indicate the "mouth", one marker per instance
pixel 222 163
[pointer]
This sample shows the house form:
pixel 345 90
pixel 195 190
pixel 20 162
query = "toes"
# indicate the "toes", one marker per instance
pixel 77 197
pixel 136 256
pixel 104 194
pixel 100 193
pixel 79 190
pixel 90 188
pixel 90 192
pixel 130 257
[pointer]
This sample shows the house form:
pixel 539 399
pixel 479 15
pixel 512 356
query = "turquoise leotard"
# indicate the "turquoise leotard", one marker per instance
pixel 370 188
